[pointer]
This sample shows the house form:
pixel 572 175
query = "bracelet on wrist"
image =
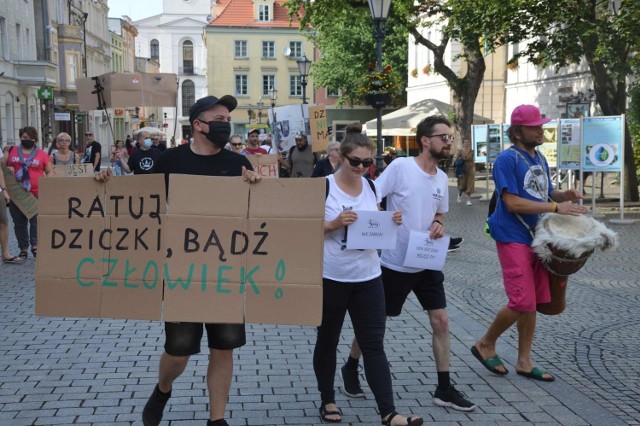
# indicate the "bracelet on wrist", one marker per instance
pixel 554 207
pixel 437 221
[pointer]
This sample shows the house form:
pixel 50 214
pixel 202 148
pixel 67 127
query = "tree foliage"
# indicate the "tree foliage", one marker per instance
pixel 605 33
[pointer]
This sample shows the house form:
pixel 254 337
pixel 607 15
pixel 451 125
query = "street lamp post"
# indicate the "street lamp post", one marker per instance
pixel 304 65
pixel 260 104
pixel 379 13
pixel 273 96
pixel 249 113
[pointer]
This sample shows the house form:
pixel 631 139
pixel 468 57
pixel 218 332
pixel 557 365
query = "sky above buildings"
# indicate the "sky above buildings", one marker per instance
pixel 135 9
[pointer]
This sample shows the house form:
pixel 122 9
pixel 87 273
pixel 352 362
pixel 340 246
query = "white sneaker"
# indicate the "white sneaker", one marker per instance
pixel 468 202
pixel 459 198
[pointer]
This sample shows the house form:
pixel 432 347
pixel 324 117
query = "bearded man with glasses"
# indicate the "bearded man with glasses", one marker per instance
pixel 415 186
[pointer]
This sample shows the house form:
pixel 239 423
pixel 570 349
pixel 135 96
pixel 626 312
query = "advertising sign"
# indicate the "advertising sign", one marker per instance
pixel 602 139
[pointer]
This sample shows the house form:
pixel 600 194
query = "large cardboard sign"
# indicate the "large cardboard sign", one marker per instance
pixel 215 250
pixel 265 165
pixel 129 90
pixel 24 200
pixel 319 128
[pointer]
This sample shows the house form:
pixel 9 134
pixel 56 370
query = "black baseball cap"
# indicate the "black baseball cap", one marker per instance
pixel 207 102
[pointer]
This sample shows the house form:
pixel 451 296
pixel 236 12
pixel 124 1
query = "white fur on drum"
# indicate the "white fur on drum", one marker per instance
pixel 574 235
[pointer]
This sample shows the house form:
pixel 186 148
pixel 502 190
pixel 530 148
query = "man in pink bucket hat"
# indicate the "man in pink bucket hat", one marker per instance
pixel 524 192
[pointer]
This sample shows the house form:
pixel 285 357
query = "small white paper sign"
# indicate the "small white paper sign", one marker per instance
pixel 373 230
pixel 425 253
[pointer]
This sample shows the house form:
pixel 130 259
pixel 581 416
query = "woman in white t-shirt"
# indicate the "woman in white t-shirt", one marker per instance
pixel 351 282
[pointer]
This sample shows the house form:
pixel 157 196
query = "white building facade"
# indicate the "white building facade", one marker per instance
pixel 175 39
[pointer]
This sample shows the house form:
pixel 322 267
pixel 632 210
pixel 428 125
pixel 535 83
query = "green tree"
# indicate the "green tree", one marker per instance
pixel 605 34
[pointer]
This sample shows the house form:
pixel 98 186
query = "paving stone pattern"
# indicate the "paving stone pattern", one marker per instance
pixel 100 372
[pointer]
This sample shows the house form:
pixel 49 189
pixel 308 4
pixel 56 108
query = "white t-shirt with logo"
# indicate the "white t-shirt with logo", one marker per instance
pixel 340 263
pixel 418 195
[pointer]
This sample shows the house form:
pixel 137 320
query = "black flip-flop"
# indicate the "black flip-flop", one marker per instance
pixel 490 363
pixel 537 374
pixel 14 260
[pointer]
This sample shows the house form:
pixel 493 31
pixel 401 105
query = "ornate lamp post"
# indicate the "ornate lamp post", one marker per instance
pixel 304 65
pixel 273 96
pixel 379 13
pixel 249 113
pixel 260 104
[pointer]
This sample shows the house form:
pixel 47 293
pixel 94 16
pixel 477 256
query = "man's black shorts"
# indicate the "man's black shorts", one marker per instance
pixel 427 285
pixel 183 338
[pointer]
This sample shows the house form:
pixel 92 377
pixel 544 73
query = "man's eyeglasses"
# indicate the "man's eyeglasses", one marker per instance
pixel 355 162
pixel 236 144
pixel 446 138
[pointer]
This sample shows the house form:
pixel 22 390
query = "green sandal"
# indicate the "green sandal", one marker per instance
pixel 490 364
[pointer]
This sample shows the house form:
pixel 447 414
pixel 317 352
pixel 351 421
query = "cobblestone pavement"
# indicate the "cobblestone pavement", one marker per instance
pixel 89 371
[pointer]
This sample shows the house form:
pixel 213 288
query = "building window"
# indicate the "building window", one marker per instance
pixel 240 50
pixel 187 57
pixel 295 86
pixel 71 60
pixel 268 82
pixel 242 85
pixel 268 49
pixel 296 49
pixel 155 49
pixel 19 41
pixel 263 13
pixel 333 93
pixel 4 39
pixel 188 96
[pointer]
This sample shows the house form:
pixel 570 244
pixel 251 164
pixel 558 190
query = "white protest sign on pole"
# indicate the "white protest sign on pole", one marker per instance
pixel 373 230
pixel 426 253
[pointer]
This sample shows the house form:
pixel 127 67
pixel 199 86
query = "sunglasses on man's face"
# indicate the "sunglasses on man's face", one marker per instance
pixel 355 162
pixel 236 144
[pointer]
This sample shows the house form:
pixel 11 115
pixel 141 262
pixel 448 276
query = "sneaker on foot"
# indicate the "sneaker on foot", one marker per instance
pixel 452 398
pixel 453 248
pixel 153 409
pixel 351 382
pixel 459 198
pixel 456 241
pixel 469 202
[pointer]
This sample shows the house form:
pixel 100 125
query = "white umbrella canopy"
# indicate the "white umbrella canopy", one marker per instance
pixel 150 130
pixel 403 122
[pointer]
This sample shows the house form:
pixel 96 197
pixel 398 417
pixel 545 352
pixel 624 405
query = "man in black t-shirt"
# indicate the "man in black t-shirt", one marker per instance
pixel 143 159
pixel 209 118
pixel 93 151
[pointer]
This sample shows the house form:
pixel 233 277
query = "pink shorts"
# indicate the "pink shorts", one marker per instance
pixel 526 280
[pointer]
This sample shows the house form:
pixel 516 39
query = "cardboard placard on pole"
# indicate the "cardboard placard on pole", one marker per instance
pixel 319 128
pixel 24 200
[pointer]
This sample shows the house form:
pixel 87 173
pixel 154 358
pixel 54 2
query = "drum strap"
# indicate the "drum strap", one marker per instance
pixel 540 190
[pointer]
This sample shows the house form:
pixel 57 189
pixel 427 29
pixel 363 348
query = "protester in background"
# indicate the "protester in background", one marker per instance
pixel 301 159
pixel 143 159
pixel 253 143
pixel 235 144
pixel 29 163
pixel 418 188
pixel 52 147
pixel 356 290
pixel 128 144
pixel 465 169
pixel 93 151
pixel 525 191
pixel 266 145
pixel 5 199
pixel 63 155
pixel 118 152
pixel 157 144
pixel 330 163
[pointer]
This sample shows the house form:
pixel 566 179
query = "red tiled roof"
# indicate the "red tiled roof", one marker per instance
pixel 239 13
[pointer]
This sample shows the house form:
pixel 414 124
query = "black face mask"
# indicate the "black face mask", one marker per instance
pixel 219 132
pixel 27 143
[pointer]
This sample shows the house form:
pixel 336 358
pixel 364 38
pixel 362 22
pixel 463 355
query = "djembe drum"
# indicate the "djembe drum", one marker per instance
pixel 564 244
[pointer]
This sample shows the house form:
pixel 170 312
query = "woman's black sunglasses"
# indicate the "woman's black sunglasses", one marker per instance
pixel 355 162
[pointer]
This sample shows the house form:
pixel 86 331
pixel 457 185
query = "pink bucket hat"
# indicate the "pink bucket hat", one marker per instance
pixel 527 115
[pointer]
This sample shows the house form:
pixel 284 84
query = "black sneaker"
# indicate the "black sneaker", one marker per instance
pixel 453 248
pixel 452 398
pixel 456 241
pixel 152 413
pixel 351 382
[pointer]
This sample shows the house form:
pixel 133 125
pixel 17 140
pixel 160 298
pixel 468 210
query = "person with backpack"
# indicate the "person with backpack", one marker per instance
pixel 524 191
pixel 356 290
pixel 301 159
pixel 465 171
